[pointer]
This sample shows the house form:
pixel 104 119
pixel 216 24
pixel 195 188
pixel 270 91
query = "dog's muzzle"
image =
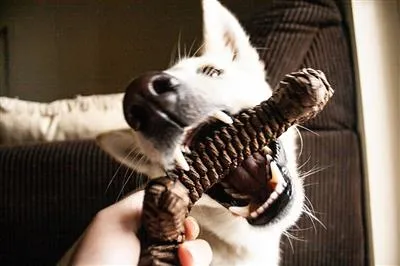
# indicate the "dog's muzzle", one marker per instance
pixel 149 101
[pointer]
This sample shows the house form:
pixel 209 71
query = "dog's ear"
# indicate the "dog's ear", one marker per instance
pixel 122 146
pixel 223 34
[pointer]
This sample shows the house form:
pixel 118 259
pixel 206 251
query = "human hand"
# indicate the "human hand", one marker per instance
pixel 112 238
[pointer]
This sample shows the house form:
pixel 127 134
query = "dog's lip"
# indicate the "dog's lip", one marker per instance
pixel 192 132
pixel 167 115
pixel 275 208
pixel 253 178
pixel 201 129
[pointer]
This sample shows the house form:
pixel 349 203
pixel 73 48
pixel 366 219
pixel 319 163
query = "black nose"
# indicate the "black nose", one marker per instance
pixel 147 94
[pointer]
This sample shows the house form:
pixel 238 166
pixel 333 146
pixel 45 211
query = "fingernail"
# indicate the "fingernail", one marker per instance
pixel 194 228
pixel 200 252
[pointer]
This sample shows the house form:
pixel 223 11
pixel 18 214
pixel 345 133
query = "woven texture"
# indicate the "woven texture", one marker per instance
pixel 299 97
pixel 50 192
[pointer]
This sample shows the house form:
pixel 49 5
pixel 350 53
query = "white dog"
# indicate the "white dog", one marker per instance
pixel 165 108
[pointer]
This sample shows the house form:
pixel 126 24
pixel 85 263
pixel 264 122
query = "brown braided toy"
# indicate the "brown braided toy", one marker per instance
pixel 299 97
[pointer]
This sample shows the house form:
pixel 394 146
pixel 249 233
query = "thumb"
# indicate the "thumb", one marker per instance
pixel 195 253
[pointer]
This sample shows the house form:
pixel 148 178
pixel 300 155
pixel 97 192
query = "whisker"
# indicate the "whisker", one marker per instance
pixel 293 237
pixel 264 51
pixel 191 47
pixel 139 181
pixel 184 51
pixel 198 49
pixel 312 171
pixel 119 167
pixel 128 177
pixel 179 46
pixel 288 236
pixel 307 129
pixel 310 184
pixel 309 211
pixel 262 48
pixel 172 58
pixel 299 229
pixel 308 214
pixel 123 186
pixel 301 142
pixel 304 164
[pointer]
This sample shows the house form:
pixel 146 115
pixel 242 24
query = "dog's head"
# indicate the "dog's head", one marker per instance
pixel 164 108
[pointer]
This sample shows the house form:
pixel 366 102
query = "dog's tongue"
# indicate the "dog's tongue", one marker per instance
pixel 250 179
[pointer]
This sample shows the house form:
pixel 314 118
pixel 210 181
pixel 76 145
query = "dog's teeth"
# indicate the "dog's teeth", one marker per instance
pixel 223 117
pixel 267 151
pixel 277 176
pixel 265 205
pixel 185 149
pixel 274 195
pixel 260 210
pixel 270 201
pixel 180 159
pixel 240 211
pixel 279 189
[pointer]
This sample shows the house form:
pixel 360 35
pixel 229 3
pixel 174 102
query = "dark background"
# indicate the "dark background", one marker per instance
pixel 51 49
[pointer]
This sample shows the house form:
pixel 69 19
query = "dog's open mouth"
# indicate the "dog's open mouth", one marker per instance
pixel 259 189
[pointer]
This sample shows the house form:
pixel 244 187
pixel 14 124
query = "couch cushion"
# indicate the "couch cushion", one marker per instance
pixel 294 34
pixel 50 191
pixel 335 196
pixel 66 119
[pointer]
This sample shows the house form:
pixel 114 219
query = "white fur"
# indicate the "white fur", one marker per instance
pixel 234 241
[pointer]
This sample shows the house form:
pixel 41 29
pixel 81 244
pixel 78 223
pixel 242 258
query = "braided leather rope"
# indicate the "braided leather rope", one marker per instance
pixel 299 97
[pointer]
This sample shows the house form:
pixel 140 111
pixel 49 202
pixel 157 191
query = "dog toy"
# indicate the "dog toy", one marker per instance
pixel 299 97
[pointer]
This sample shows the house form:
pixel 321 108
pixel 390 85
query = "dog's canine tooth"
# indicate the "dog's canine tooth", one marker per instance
pixel 180 159
pixel 240 211
pixel 220 115
pixel 185 149
pixel 276 174
pixel 280 188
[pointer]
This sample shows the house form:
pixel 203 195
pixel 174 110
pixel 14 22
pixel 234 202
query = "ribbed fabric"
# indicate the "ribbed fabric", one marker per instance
pixel 49 192
pixel 335 194
pixel 295 34
pixel 291 35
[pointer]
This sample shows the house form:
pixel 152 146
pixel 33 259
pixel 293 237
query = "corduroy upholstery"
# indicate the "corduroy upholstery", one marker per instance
pixel 49 192
pixel 296 34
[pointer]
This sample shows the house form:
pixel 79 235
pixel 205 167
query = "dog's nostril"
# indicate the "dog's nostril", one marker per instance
pixel 136 117
pixel 164 84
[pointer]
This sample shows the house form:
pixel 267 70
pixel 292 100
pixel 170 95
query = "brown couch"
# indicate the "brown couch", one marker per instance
pixel 50 191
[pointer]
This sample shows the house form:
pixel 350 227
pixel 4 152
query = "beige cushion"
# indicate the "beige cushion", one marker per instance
pixel 67 119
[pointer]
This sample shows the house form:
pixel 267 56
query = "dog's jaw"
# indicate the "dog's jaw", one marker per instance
pixel 234 240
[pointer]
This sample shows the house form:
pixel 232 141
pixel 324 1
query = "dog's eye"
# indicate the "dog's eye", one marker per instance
pixel 210 71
